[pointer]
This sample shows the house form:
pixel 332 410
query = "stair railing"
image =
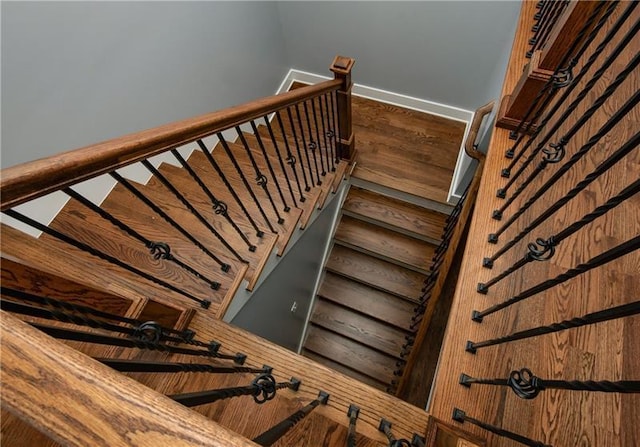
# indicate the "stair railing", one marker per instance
pixel 441 261
pixel 198 266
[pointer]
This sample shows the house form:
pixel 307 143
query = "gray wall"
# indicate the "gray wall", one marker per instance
pixel 448 52
pixel 75 73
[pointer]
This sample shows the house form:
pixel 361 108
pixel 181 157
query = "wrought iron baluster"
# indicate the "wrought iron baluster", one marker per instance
pixel 614 158
pixel 314 116
pixel 263 389
pixel 553 83
pixel 461 416
pixel 313 145
pixel 330 133
pixel 317 180
pixel 156 209
pixel 226 148
pixel 292 161
pixel 89 337
pixel 612 313
pixel 385 427
pixel 261 179
pixel 418 441
pixel 214 164
pixel 547 25
pixel 539 18
pixel 336 125
pixel 270 436
pixel 527 386
pixel 219 207
pixel 352 413
pixel 158 250
pixel 102 255
pixel 139 366
pixel 603 258
pixel 327 148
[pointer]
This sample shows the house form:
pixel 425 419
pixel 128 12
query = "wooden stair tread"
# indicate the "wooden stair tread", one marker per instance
pixel 264 245
pixel 351 354
pixel 375 272
pixel 358 327
pixel 364 299
pixel 344 370
pixel 388 244
pixel 394 212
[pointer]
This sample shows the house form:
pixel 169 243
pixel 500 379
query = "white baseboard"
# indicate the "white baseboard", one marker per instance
pixel 407 102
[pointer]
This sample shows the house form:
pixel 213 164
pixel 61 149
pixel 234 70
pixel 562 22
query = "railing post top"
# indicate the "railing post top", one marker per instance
pixel 341 66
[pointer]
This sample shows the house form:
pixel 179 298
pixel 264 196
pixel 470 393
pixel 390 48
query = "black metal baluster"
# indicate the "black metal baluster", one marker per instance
pixel 100 254
pixel 270 436
pixel 597 261
pixel 385 427
pixel 327 149
pixel 539 19
pixel 156 209
pixel 158 250
pixel 547 26
pixel 527 386
pixel 554 79
pixel 313 145
pixel 625 149
pixel 226 148
pixel 263 388
pixel 352 414
pixel 89 337
pixel 584 118
pixel 291 160
pixel 318 137
pixel 330 134
pixel 219 207
pixel 214 164
pixel 317 181
pixel 139 366
pixel 612 313
pixel 261 179
pixel 336 126
pixel 292 163
pixel 418 441
pixel 461 416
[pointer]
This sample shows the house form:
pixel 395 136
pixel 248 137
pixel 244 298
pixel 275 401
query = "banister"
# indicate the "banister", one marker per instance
pixel 37 178
pixel 77 401
pixel 478 117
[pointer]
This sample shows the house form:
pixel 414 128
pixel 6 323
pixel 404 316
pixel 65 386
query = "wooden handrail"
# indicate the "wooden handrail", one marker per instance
pixel 37 178
pixel 79 402
pixel 478 117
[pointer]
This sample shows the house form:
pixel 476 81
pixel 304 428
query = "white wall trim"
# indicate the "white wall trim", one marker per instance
pixel 407 102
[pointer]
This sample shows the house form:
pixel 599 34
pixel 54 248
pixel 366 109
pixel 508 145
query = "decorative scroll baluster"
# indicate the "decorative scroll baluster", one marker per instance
pixel 329 133
pixel 139 366
pixel 547 21
pixel 159 250
pixel 385 427
pixel 214 164
pixel 102 255
pixel 461 416
pixel 156 209
pixel 270 436
pixel 219 207
pixel 352 413
pixel 292 160
pixel 540 21
pixel 89 337
pixel 322 128
pixel 335 122
pixel 613 313
pixel 314 145
pixel 261 179
pixel 263 389
pixel 316 126
pixel 614 158
pixel 527 386
pixel 226 148
pixel 561 77
pixel 317 181
pixel 597 261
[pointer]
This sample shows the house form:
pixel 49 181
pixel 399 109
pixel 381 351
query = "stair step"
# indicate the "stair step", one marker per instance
pixel 415 220
pixel 366 300
pixel 358 327
pixel 192 192
pixel 344 370
pixel 384 243
pixel 351 354
pixel 375 272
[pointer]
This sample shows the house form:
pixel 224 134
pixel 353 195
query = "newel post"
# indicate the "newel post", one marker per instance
pixel 341 68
